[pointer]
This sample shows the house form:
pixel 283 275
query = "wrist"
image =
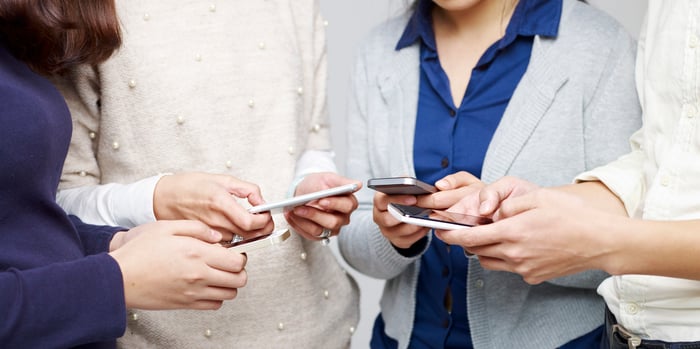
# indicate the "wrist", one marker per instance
pixel 117 240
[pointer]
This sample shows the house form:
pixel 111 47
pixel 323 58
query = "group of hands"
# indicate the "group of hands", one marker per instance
pixel 180 261
pixel 531 234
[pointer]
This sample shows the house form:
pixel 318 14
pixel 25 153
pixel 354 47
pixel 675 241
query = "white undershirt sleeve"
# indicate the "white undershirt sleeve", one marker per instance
pixel 124 205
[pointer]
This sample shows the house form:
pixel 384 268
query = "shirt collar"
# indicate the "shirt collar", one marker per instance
pixel 530 18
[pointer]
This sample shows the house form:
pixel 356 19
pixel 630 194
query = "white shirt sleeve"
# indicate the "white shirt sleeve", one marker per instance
pixel 124 205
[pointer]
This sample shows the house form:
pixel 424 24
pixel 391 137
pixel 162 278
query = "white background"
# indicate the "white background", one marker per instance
pixel 349 22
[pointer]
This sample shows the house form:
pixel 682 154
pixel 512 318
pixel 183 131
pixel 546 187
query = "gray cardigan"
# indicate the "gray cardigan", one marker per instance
pixel 573 110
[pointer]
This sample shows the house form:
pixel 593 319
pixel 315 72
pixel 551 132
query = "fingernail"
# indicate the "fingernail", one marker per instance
pixel 324 203
pixel 410 200
pixel 215 235
pixel 442 184
pixel 301 211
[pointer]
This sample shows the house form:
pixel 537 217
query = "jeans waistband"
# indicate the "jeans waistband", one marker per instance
pixel 619 337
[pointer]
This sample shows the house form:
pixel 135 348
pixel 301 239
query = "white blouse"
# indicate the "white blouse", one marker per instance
pixel 660 178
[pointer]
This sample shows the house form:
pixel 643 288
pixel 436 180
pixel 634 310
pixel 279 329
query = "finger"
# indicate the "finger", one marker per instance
pixel 493 263
pixel 492 195
pixel 330 220
pixel 220 258
pixel 219 293
pixel 381 200
pixel 233 217
pixel 456 180
pixel 194 229
pixel 517 205
pixel 204 305
pixel 343 204
pixel 303 226
pixel 313 221
pixel 472 237
pixel 447 198
pixel 225 280
pixel 243 189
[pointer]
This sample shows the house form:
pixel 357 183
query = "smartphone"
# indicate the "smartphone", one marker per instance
pixel 401 186
pixel 258 242
pixel 302 199
pixel 436 219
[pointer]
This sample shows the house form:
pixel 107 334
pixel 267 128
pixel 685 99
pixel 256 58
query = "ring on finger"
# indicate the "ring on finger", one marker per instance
pixel 325 233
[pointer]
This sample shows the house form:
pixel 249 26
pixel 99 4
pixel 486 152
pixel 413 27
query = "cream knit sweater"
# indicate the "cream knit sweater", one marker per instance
pixel 235 87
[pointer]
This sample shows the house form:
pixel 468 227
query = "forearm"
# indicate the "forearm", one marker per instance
pixel 596 195
pixel 664 248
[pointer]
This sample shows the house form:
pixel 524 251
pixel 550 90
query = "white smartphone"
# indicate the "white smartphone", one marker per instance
pixel 258 242
pixel 436 219
pixel 302 199
pixel 400 186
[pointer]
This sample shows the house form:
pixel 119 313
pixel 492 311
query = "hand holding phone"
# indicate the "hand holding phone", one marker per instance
pixel 436 219
pixel 401 186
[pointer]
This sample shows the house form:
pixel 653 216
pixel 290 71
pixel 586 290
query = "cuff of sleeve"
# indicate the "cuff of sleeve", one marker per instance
pixel 627 186
pixel 312 161
pixel 388 253
pixel 137 202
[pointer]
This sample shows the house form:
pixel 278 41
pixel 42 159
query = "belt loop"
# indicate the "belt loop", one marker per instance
pixel 632 341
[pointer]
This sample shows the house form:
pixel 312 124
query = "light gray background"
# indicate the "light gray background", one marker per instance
pixel 348 23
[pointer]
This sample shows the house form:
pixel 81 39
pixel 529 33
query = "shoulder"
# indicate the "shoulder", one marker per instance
pixel 585 24
pixel 383 38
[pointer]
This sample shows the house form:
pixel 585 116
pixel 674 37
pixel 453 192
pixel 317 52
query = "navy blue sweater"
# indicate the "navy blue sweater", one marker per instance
pixel 58 286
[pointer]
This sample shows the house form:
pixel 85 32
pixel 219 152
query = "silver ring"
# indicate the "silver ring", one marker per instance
pixel 325 234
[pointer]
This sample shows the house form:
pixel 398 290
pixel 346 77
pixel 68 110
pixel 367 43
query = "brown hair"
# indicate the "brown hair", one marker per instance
pixel 54 35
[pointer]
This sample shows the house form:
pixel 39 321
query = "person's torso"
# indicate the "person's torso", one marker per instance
pixel 659 307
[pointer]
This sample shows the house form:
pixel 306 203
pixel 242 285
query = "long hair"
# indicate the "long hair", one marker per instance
pixel 52 36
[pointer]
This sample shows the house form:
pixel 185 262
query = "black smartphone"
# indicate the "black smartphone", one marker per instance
pixel 401 186
pixel 436 219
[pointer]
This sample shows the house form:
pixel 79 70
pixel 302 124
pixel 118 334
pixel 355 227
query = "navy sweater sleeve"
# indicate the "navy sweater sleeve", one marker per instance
pixel 63 304
pixel 95 238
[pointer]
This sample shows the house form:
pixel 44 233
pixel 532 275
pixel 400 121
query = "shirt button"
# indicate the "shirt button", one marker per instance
pixel 445 323
pixel 445 271
pixel 452 112
pixel 479 283
pixel 693 41
pixel 632 308
pixel 689 110
pixel 665 181
pixel 445 162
